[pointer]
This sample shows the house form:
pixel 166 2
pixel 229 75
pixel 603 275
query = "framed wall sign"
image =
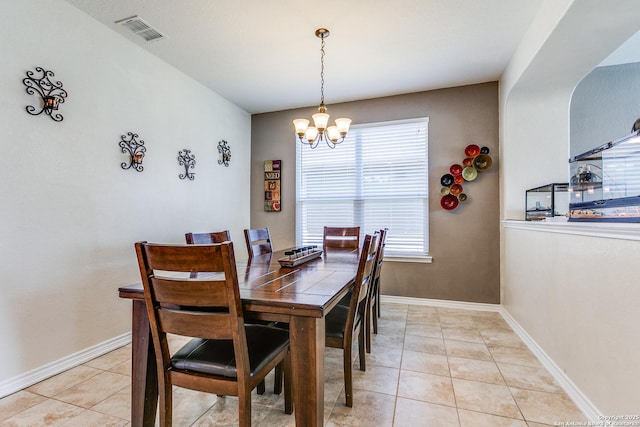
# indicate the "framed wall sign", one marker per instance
pixel 272 185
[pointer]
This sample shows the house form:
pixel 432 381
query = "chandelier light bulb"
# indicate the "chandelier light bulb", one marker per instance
pixel 333 134
pixel 312 134
pixel 320 120
pixel 343 125
pixel 301 126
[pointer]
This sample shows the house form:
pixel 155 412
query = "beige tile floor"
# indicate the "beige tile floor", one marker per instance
pixel 429 366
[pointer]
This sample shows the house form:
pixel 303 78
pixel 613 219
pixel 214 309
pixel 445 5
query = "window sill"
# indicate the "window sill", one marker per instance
pixel 628 231
pixel 427 259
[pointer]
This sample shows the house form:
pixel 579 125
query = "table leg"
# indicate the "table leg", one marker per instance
pixel 144 380
pixel 307 358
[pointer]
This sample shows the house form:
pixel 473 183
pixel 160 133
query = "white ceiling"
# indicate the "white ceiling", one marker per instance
pixel 263 55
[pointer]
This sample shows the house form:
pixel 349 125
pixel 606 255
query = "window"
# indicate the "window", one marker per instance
pixel 376 178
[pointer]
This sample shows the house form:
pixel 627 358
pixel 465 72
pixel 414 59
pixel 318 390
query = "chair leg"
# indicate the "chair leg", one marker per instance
pixel 166 403
pixel 367 324
pixel 348 376
pixel 244 409
pixel 361 348
pixel 375 311
pixel 378 297
pixel 261 387
pixel 288 386
pixel 277 382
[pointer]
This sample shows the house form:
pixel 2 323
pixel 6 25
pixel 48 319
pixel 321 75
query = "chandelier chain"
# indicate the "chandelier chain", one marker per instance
pixel 322 72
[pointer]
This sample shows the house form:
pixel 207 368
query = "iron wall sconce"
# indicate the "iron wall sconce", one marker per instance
pixel 135 149
pixel 50 92
pixel 188 160
pixel 225 150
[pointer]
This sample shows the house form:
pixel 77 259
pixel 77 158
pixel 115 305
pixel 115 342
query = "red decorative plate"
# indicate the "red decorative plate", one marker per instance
pixel 467 162
pixel 455 170
pixel 458 179
pixel 449 202
pixel 472 150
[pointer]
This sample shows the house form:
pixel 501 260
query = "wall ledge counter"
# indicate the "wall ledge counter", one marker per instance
pixel 622 231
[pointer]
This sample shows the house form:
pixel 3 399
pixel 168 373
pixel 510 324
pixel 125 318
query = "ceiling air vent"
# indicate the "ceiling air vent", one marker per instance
pixel 141 28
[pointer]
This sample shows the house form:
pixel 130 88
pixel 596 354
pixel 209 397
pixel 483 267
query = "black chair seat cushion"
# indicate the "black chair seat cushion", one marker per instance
pixel 216 357
pixel 335 321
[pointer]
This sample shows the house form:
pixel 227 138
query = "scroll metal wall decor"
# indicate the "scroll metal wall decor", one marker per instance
pixel 50 92
pixel 225 153
pixel 129 144
pixel 188 160
pixel 477 160
pixel 272 185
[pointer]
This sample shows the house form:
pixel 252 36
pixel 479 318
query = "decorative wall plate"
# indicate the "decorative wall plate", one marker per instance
pixel 469 173
pixel 449 202
pixel 446 180
pixel 455 189
pixel 472 150
pixel 482 162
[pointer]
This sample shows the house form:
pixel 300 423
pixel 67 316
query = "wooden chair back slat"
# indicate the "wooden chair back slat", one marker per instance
pixel 341 237
pixel 207 238
pixel 195 324
pixel 195 293
pixel 207 258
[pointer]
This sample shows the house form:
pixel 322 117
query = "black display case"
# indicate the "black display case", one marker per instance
pixel 547 201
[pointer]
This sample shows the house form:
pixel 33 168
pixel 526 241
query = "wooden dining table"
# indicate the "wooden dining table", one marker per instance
pixel 300 296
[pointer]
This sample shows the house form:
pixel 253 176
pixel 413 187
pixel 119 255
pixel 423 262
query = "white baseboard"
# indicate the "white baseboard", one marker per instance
pixel 579 398
pixel 478 306
pixel 575 394
pixel 30 378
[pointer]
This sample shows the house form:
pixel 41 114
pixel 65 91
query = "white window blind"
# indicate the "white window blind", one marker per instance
pixel 377 178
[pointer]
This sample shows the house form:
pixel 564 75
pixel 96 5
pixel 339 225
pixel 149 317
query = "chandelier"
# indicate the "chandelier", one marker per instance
pixel 312 135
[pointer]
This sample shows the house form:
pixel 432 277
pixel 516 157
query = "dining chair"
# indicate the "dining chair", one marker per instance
pixel 341 237
pixel 258 241
pixel 224 355
pixel 225 236
pixel 341 322
pixel 207 238
pixel 373 304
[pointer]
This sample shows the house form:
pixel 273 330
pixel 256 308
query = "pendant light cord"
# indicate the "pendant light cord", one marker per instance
pixel 322 72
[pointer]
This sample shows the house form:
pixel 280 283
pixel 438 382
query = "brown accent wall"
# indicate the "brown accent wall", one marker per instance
pixel 464 243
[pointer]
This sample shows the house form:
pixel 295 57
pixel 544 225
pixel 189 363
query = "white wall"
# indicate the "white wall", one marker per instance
pixel 578 297
pixel 70 214
pixel 575 295
pixel 604 106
